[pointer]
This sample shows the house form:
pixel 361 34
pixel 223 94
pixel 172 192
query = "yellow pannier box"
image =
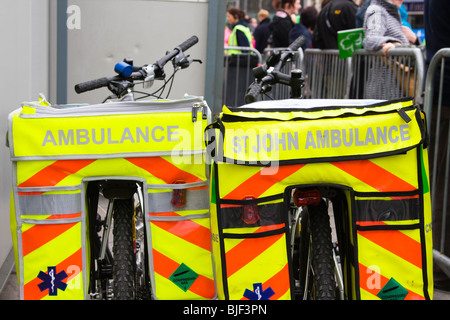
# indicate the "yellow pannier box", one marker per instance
pixel 371 154
pixel 56 151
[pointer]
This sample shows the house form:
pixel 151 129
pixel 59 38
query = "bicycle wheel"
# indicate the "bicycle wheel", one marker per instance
pixel 317 276
pixel 123 250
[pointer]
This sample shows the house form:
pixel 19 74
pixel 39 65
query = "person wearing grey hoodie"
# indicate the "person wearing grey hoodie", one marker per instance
pixel 383 31
pixel 382 25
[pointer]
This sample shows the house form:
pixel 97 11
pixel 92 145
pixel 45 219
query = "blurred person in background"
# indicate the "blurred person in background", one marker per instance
pixel 406 27
pixel 383 31
pixel 241 35
pixel 308 20
pixel 282 23
pixel 382 26
pixel 335 16
pixel 262 31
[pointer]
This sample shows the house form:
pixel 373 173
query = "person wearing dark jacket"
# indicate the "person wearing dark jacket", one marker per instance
pixel 335 16
pixel 262 31
pixel 308 20
pixel 282 23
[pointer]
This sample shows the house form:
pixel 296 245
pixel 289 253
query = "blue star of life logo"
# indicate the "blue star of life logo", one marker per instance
pixel 258 293
pixel 52 281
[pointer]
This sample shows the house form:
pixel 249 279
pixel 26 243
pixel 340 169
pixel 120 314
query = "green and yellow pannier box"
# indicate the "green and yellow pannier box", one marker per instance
pixel 372 152
pixel 57 150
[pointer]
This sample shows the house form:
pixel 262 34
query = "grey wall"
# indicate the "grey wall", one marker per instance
pixel 24 61
pixel 143 30
pixel 98 34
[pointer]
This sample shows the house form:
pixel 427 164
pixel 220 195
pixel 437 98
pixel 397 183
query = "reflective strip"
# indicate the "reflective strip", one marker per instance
pixel 178 186
pixel 114 108
pixel 161 201
pixel 52 221
pixel 172 153
pixel 178 218
pixel 50 204
pixel 48 189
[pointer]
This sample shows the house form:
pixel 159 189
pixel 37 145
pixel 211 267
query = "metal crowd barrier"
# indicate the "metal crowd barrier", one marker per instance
pixel 433 124
pixel 238 73
pixel 398 74
pixel 367 75
pixel 326 76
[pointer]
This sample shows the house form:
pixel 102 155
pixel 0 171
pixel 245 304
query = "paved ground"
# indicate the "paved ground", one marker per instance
pixel 11 292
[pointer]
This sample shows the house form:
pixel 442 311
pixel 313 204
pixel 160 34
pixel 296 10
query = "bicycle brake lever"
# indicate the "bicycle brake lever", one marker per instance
pixel 181 60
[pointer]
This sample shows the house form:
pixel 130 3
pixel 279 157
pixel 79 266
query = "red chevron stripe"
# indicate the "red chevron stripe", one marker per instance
pixel 54 173
pixel 259 183
pixel 31 289
pixel 373 175
pixel 279 283
pixel 246 251
pixel 163 169
pixel 40 234
pixel 188 231
pixel 396 242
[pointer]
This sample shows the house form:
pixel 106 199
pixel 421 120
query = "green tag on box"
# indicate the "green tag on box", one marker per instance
pixel 349 41
pixel 392 290
pixel 183 277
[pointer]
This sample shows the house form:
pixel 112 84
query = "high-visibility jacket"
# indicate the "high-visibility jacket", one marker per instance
pixel 232 41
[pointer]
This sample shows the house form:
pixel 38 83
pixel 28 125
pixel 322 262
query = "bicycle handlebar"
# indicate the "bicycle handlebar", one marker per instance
pixel 253 91
pixel 139 73
pixel 93 84
pixel 172 54
pixel 277 61
pixel 188 43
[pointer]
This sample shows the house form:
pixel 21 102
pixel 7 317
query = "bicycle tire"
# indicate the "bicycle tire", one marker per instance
pixel 123 250
pixel 316 235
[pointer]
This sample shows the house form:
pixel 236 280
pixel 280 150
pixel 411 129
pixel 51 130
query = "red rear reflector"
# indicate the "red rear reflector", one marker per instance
pixel 307 198
pixel 179 195
pixel 250 213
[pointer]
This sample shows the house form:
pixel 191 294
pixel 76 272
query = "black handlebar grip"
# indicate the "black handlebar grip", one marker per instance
pixel 294 46
pixel 188 43
pixel 253 91
pixel 92 84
